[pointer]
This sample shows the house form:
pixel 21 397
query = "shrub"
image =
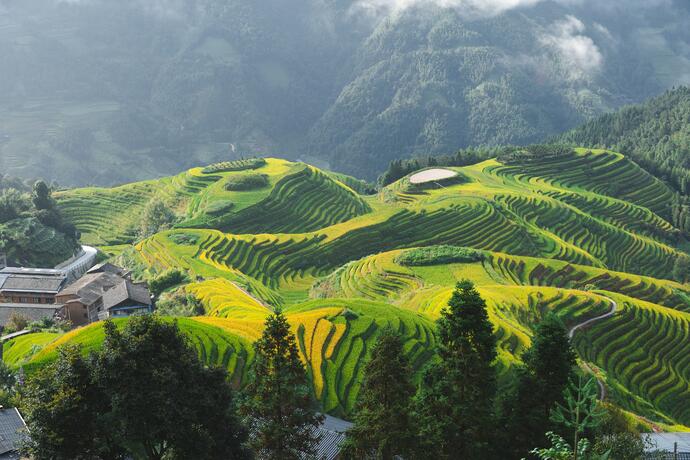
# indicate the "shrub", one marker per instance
pixel 165 280
pixel 243 182
pixel 438 255
pixel 50 325
pixel 184 238
pixel 157 216
pixel 16 323
pixel 179 303
pixel 630 446
pixel 219 207
pixel 235 165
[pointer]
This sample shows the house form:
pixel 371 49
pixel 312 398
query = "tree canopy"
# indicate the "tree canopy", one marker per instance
pixel 279 406
pixel 143 394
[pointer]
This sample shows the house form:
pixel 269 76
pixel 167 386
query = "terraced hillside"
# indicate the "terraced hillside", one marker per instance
pixel 568 232
pixel 292 197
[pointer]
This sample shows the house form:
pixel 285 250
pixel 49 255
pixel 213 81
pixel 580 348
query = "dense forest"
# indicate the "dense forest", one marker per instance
pixel 655 134
pixel 33 231
pixel 102 92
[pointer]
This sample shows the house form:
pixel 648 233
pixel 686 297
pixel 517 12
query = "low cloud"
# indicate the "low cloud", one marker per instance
pixel 470 8
pixel 577 51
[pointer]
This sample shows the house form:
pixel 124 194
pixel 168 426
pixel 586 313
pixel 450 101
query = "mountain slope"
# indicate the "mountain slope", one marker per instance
pixel 655 134
pixel 536 230
pixel 101 92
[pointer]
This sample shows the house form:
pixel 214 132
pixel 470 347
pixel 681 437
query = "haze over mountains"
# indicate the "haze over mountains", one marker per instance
pixel 98 91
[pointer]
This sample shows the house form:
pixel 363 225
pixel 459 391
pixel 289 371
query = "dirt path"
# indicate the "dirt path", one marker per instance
pixel 571 334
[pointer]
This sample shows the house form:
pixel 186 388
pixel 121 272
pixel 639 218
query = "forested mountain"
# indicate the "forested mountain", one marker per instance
pixel 98 91
pixel 32 229
pixel 655 134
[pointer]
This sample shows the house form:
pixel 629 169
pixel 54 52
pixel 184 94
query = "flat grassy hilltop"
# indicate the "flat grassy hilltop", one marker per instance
pixel 577 232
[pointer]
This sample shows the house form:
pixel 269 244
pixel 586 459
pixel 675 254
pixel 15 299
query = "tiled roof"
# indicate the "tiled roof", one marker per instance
pixel 107 267
pixel 666 441
pixel 126 290
pixel 33 283
pixel 89 288
pixel 12 427
pixel 331 435
pixel 32 271
pixel 32 312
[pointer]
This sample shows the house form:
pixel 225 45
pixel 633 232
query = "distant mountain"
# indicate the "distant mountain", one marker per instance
pixel 104 92
pixel 655 134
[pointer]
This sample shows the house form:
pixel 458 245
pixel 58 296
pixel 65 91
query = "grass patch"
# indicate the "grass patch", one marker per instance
pixel 235 165
pixel 439 255
pixel 244 182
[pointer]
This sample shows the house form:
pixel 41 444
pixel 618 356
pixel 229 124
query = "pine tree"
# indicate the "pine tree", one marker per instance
pixel 159 395
pixel 455 404
pixel 382 424
pixel 580 412
pixel 279 407
pixel 548 366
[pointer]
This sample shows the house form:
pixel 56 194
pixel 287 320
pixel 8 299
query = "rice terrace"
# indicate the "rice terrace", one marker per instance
pixel 557 235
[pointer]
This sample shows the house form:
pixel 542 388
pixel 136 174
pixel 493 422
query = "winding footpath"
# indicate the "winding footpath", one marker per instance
pixel 571 334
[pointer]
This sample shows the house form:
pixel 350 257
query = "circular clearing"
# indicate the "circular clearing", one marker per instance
pixel 431 175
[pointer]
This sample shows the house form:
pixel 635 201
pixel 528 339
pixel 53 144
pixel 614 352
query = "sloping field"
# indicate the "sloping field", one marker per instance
pixel 566 232
pixel 295 197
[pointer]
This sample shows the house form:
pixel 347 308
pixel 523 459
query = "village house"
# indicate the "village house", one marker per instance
pixel 104 293
pixel 30 293
pixel 30 285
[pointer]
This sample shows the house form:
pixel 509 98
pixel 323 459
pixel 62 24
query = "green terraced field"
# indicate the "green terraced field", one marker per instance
pixel 645 353
pixel 565 233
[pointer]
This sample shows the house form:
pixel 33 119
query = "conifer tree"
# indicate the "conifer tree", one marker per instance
pixel 279 407
pixel 539 386
pixel 382 424
pixel 455 404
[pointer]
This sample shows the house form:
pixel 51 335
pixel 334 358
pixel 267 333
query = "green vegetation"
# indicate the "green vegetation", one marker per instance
pixel 33 231
pixel 541 232
pixel 549 364
pixel 17 351
pixel 166 280
pixel 456 399
pixel 144 395
pixel 654 134
pixel 111 105
pixel 244 182
pixel 236 165
pixel 439 255
pixel 278 404
pixel 288 197
pixel 383 426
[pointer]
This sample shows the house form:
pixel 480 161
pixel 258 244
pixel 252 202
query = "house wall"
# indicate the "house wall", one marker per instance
pixel 94 310
pixel 77 312
pixel 26 297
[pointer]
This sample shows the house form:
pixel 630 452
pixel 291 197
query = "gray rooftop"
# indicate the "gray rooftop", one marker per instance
pixel 665 441
pixel 89 288
pixel 32 283
pixel 126 290
pixel 32 312
pixel 332 434
pixel 12 427
pixel 32 271
pixel 107 267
